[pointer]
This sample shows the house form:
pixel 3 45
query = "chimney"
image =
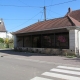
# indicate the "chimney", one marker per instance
pixel 69 10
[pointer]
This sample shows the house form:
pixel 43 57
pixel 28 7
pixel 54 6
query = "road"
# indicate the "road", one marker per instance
pixel 37 67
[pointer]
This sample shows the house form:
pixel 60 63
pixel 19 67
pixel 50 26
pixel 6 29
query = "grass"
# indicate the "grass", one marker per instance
pixel 70 56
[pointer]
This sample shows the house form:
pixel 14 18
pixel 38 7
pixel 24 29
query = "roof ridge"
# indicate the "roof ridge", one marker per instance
pixel 68 13
pixel 53 19
pixel 75 10
pixel 74 21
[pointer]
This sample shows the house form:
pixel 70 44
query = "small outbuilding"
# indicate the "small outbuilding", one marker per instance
pixel 48 36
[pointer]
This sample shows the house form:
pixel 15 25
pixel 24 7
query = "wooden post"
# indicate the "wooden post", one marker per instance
pixel 44 13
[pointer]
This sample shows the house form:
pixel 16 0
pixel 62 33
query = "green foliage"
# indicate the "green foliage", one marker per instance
pixel 1 40
pixel 11 40
pixel 2 45
pixel 6 41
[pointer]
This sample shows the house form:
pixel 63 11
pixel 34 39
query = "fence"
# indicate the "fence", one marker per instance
pixel 3 45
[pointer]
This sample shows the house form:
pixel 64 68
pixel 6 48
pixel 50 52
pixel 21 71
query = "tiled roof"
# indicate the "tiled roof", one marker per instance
pixel 71 19
pixel 75 22
pixel 75 14
pixel 2 27
pixel 48 24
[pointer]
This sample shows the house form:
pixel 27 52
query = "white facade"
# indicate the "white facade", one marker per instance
pixel 15 41
pixel 9 35
pixel 74 41
pixel 79 42
pixel 6 35
pixel 3 34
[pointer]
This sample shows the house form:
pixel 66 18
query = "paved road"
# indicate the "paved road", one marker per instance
pixel 29 66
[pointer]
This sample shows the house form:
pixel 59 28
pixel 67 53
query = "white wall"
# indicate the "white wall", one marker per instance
pixel 2 34
pixel 74 39
pixel 9 35
pixel 79 42
pixel 15 41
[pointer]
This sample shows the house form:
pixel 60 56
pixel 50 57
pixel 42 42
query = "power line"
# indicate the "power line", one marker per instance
pixel 54 12
pixel 19 19
pixel 20 6
pixel 22 2
pixel 41 16
pixel 36 6
pixel 28 20
pixel 50 6
pixel 33 7
pixel 48 13
pixel 61 3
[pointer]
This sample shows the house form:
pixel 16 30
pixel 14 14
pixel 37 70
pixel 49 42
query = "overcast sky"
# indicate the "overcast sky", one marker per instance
pixel 18 14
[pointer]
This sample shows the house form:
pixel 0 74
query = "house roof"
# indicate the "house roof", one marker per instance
pixel 71 19
pixel 75 14
pixel 75 22
pixel 2 26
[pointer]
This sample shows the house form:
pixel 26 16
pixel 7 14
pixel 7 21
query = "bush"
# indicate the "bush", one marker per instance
pixel 11 40
pixel 1 40
pixel 6 41
pixel 6 45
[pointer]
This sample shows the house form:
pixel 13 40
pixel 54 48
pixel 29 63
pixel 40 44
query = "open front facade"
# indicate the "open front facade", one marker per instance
pixel 51 40
pixel 60 39
pixel 60 34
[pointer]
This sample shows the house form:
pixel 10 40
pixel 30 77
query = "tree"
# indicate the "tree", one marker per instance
pixel 1 40
pixel 6 41
pixel 11 40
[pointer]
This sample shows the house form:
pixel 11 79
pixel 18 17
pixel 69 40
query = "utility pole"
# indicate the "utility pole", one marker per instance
pixel 44 13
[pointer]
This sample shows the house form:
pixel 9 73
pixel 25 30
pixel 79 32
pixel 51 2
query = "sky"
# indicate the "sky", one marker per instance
pixel 18 14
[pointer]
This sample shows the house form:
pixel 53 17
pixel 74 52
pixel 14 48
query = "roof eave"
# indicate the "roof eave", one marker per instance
pixel 67 27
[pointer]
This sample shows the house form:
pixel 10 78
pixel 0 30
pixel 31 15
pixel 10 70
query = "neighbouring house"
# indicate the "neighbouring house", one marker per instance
pixel 3 32
pixel 9 35
pixel 51 36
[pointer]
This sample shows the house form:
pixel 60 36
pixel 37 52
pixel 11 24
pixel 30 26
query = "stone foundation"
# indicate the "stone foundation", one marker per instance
pixel 46 51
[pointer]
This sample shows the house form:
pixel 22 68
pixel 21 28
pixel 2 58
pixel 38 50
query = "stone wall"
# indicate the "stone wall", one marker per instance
pixel 50 51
